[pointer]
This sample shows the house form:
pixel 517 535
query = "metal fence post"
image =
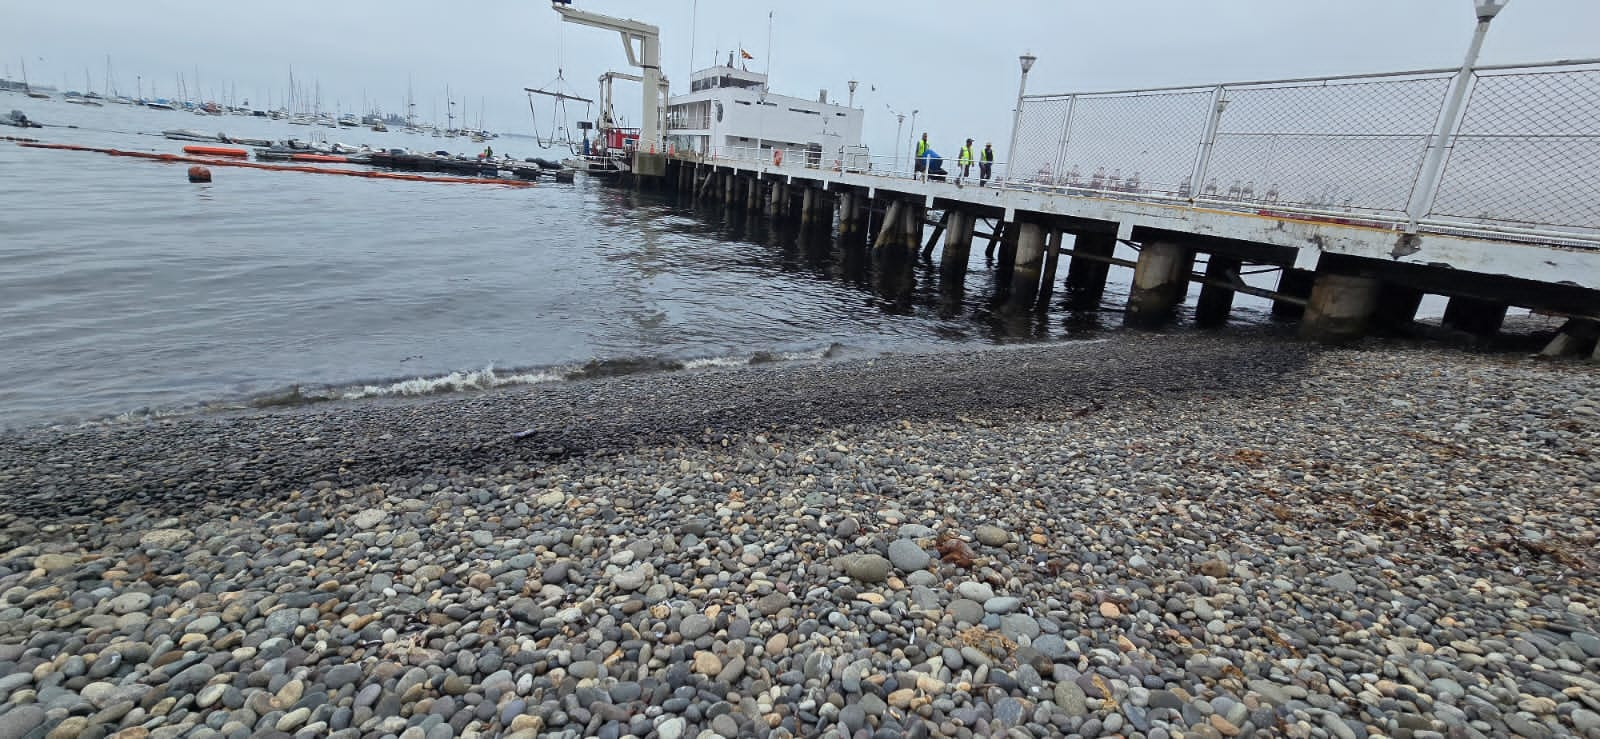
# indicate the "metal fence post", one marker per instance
pixel 1449 123
pixel 1219 100
pixel 1066 134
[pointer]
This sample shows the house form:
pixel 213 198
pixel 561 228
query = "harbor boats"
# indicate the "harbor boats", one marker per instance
pixel 242 141
pixel 20 120
pixel 189 134
pixel 274 154
pixel 159 105
pixel 595 164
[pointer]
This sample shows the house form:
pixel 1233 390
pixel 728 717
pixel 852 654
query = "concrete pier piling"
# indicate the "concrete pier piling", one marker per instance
pixel 808 202
pixel 911 218
pixel 1160 281
pixel 889 232
pixel 1216 301
pixel 1340 308
pixel 957 244
pixel 1027 264
pixel 1087 272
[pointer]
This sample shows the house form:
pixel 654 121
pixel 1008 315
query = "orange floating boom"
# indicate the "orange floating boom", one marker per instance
pixel 216 151
pixel 173 158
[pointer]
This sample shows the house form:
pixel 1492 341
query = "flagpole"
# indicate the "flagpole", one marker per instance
pixel 768 72
pixel 694 15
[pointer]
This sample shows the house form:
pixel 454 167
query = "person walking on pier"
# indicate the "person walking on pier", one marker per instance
pixel 964 160
pixel 985 164
pixel 921 164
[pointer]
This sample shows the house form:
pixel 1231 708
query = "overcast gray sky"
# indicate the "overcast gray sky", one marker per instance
pixel 955 62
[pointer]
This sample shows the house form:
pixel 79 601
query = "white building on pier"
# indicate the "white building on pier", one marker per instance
pixel 731 113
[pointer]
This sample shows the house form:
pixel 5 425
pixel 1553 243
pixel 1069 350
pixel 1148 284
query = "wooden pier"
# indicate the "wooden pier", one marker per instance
pixel 1342 279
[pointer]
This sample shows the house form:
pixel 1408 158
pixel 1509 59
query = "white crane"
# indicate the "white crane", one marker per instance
pixel 647 57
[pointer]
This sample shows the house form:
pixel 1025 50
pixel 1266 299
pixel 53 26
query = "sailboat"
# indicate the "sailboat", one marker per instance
pixel 89 98
pixel 26 88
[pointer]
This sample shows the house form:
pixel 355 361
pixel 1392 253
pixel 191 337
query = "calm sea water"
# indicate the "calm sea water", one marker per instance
pixel 127 291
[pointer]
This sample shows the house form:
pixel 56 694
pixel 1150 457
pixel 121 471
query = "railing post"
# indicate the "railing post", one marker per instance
pixel 1444 134
pixel 1208 140
pixel 1066 134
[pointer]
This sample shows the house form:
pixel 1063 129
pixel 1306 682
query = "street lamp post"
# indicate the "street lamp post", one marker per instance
pixel 1027 59
pixel 900 122
pixel 1438 145
pixel 913 151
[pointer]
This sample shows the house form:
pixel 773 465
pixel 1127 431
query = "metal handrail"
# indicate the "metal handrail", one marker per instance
pixel 1333 78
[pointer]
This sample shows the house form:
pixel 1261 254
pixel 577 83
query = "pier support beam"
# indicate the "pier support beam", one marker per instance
pixel 1216 301
pixel 911 219
pixel 1397 308
pixel 1340 309
pixel 1296 283
pixel 847 213
pixel 1027 263
pixel 889 232
pixel 808 203
pixel 957 244
pixel 1160 281
pixel 1052 258
pixel 1086 278
pixel 1477 317
pixel 933 238
pixel 753 194
pixel 1575 337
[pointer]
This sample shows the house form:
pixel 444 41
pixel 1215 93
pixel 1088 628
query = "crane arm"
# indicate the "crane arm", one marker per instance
pixel 631 30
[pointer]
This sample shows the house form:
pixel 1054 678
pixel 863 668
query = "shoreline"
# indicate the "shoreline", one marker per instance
pixel 1159 536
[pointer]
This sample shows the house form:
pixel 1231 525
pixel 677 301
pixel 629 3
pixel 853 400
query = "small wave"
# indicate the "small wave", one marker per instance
pixel 485 379
pixel 455 382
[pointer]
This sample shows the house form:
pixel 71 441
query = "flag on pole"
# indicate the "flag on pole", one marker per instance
pixel 745 54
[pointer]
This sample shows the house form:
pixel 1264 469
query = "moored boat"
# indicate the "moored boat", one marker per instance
pixel 189 134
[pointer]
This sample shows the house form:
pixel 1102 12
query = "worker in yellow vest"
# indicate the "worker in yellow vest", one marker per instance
pixel 922 151
pixel 965 160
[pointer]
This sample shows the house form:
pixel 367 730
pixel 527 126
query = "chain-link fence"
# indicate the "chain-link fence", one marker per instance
pixel 1524 157
pixel 1528 151
pixel 1351 145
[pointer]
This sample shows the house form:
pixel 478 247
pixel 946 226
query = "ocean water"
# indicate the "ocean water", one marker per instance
pixel 127 292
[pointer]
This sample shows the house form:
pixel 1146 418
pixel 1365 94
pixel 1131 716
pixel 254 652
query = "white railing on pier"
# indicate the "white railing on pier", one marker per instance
pixel 902 167
pixel 1523 158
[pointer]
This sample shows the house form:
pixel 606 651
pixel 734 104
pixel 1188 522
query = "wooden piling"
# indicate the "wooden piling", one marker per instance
pixel 1215 300
pixel 1052 257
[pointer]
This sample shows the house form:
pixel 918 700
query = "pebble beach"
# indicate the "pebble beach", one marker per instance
pixel 1153 536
